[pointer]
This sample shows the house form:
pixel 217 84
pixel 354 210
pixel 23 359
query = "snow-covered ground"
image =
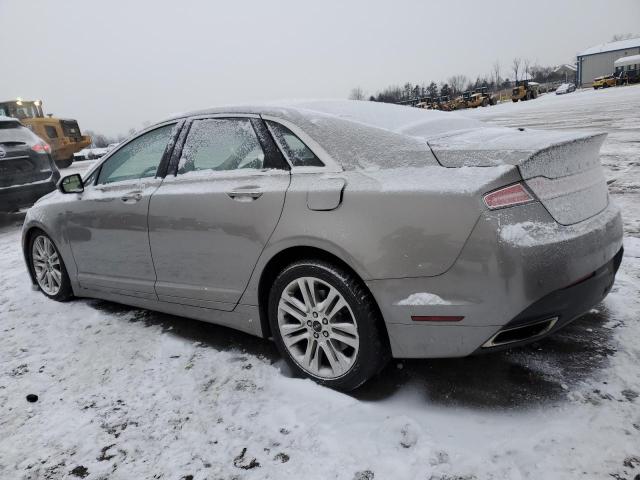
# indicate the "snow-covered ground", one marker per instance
pixel 130 394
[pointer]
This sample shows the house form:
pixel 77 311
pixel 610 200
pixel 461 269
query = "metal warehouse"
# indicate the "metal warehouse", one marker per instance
pixel 599 60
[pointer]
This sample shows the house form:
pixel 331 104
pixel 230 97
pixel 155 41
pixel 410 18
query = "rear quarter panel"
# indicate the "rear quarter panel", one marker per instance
pixel 397 223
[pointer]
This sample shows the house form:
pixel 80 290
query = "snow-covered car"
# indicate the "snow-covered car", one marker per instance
pixel 91 153
pixel 349 232
pixel 27 169
pixel 565 88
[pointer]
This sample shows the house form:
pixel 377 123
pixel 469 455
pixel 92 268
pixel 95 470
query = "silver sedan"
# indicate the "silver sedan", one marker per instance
pixel 349 232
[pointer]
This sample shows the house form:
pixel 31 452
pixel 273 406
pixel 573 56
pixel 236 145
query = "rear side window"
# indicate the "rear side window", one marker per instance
pixel 294 149
pixel 221 144
pixel 15 132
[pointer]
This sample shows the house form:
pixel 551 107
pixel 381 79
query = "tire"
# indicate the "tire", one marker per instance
pixel 485 102
pixel 515 100
pixel 64 163
pixel 313 339
pixel 41 257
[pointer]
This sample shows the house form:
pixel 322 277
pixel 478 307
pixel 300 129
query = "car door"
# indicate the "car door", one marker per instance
pixel 210 221
pixel 107 226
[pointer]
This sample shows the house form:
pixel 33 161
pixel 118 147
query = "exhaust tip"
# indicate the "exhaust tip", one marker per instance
pixel 520 334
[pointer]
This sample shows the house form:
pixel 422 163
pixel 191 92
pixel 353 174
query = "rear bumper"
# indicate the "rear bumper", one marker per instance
pixel 505 273
pixel 555 310
pixel 20 196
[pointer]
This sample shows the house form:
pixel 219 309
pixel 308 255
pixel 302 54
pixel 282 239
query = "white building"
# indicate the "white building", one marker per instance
pixel 597 61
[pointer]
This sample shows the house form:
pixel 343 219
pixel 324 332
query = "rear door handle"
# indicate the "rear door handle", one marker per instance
pixel 131 197
pixel 244 194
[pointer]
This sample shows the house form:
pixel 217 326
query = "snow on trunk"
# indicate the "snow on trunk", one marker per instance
pixel 561 168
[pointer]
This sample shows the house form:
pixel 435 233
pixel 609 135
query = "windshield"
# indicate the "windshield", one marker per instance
pixel 20 110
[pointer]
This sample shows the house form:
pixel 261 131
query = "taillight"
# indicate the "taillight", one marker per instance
pixel 509 196
pixel 41 148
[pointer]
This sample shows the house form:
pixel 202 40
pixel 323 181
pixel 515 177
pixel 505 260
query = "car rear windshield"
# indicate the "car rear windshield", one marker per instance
pixel 14 132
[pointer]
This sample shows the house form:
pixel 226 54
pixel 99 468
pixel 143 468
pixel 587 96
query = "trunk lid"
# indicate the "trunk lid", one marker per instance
pixel 561 168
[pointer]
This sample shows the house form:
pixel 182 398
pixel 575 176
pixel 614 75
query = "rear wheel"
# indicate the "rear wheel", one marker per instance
pixel 326 324
pixel 48 268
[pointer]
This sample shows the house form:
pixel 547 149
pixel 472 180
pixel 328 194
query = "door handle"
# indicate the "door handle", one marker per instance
pixel 245 195
pixel 131 197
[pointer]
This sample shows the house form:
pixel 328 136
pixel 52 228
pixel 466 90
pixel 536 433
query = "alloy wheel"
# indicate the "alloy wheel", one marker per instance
pixel 46 265
pixel 318 328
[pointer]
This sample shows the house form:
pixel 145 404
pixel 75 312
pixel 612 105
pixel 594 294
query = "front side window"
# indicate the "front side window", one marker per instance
pixel 139 158
pixel 221 144
pixel 295 150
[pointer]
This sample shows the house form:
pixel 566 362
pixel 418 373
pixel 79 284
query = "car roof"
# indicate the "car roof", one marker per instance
pixel 356 133
pixel 9 119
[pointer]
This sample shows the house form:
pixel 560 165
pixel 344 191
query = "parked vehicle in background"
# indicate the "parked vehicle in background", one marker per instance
pixel 627 69
pixel 525 90
pixel 565 88
pixel 348 232
pixel 27 170
pixel 605 81
pixel 63 135
pixel 481 98
pixel 90 153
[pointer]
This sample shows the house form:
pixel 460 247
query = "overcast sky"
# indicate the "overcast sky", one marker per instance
pixel 115 64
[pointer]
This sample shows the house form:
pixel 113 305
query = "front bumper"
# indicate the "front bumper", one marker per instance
pixel 20 196
pixel 500 274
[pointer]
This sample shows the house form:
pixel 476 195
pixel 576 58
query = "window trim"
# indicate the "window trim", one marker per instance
pixel 172 169
pixel 330 165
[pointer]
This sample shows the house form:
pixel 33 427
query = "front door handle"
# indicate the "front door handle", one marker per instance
pixel 245 195
pixel 131 197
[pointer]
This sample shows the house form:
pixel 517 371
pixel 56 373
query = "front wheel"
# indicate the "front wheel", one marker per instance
pixel 326 325
pixel 48 268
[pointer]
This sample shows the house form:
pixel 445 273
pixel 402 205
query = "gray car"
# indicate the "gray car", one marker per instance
pixel 349 232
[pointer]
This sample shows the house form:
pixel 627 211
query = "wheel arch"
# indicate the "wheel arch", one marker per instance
pixel 292 254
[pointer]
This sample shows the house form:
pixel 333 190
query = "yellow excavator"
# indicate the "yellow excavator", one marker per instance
pixel 63 135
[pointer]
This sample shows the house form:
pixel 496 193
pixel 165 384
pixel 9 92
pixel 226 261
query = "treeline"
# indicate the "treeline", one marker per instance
pixel 519 69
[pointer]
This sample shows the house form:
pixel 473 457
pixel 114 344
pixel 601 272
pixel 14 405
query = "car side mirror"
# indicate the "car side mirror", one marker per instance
pixel 71 184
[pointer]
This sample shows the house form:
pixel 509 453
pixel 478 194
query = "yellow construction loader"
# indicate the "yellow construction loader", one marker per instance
pixel 525 90
pixel 480 98
pixel 63 135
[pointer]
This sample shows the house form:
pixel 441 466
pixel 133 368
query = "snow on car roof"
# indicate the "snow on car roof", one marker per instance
pixel 611 46
pixel 361 134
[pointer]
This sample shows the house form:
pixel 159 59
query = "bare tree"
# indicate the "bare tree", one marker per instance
pixel 623 36
pixel 515 67
pixel 495 72
pixel 357 94
pixel 457 83
pixel 527 63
